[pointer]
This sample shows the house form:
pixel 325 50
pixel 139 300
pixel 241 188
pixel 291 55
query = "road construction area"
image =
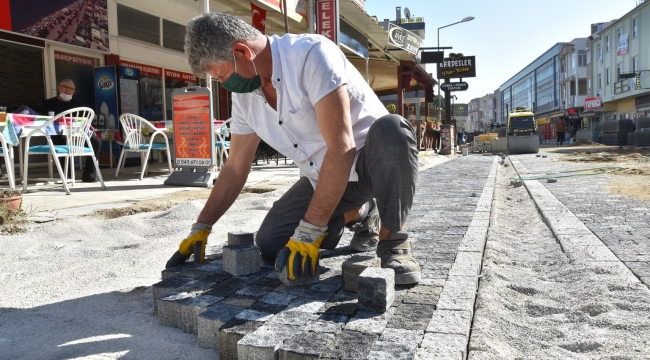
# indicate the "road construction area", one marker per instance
pixel 557 268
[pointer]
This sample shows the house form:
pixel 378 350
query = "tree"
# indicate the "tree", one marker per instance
pixel 391 108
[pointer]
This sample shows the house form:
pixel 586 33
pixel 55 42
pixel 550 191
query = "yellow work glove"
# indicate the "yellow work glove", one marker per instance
pixel 300 254
pixel 193 244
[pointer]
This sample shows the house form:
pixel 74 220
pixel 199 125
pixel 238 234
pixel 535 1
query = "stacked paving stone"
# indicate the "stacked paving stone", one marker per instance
pixel 256 316
pixel 621 223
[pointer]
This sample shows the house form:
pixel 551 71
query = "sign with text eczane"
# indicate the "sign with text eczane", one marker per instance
pixel 403 39
pixel 463 67
pixel 327 18
pixel 193 135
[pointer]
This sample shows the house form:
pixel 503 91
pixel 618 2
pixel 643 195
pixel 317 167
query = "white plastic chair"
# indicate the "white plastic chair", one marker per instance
pixel 221 145
pixel 134 141
pixel 7 152
pixel 77 124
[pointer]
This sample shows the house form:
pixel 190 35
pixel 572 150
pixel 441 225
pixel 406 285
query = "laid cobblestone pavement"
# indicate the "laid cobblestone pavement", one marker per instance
pixel 621 223
pixel 258 317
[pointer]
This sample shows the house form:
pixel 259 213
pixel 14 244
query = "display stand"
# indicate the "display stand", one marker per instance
pixel 193 138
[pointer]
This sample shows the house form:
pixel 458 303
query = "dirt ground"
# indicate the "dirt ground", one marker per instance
pixel 632 177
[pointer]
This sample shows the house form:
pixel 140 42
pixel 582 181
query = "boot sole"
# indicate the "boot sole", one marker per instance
pixel 408 278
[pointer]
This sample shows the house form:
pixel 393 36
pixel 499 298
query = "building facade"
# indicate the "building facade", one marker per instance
pixel 473 122
pixel 487 111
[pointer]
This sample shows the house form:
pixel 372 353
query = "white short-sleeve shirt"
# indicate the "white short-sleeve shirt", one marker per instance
pixel 305 68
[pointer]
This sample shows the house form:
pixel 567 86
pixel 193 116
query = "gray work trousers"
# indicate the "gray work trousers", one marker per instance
pixel 388 169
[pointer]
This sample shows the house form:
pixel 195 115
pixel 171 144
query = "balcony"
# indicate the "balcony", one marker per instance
pixel 621 86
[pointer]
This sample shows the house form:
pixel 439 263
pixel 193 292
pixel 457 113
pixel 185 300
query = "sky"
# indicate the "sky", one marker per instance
pixel 505 35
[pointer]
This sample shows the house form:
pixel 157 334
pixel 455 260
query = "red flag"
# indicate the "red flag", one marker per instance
pixel 259 17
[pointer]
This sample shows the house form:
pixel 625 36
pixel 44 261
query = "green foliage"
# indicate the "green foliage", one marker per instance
pixel 392 108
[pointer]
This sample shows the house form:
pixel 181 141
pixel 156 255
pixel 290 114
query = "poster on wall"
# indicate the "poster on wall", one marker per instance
pixel 193 136
pixel 106 97
pixel 77 22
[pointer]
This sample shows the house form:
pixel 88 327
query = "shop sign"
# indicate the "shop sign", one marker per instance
pixel 106 97
pixel 463 67
pixel 592 103
pixel 77 59
pixel 327 19
pixel 637 81
pixel 454 86
pixel 171 74
pixel 642 100
pixel 144 69
pixel 296 9
pixel 193 137
pixel 622 45
pixel 404 39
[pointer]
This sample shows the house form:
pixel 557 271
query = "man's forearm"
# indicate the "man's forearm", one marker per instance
pixel 226 189
pixel 333 179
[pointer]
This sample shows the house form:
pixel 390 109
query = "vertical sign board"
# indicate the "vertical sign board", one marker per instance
pixel 327 19
pixel 193 137
pixel 106 97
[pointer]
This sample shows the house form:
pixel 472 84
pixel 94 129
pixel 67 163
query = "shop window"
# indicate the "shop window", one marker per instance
pixel 79 69
pixel 22 75
pixel 635 27
pixel 173 35
pixel 151 98
pixel 138 25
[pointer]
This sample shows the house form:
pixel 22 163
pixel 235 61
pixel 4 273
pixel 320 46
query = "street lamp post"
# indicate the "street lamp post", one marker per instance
pixel 469 18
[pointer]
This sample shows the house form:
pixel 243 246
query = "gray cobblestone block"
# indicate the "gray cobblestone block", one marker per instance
pixel 264 342
pixel 254 290
pixel 307 280
pixel 461 287
pixel 267 308
pixel 196 287
pixel 241 238
pixel 445 344
pixel 230 334
pixel 305 305
pixel 186 270
pixel 369 322
pixel 340 304
pixel 240 300
pixel 241 259
pixel 411 317
pixel 169 308
pixel 352 267
pixel 305 345
pixel 190 309
pixel 423 294
pixel 392 351
pixel 350 345
pixel 253 315
pixel 376 288
pixel 450 322
pixel 213 318
pixel 278 298
pixel 226 287
pixel 402 336
pixel 167 285
pixel 466 264
pixel 448 302
pixel 328 286
pixel 292 318
pixel 334 318
pixel 329 327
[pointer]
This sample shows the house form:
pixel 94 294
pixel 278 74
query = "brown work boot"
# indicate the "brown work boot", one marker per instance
pixel 366 232
pixel 395 253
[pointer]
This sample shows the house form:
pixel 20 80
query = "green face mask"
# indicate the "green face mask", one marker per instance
pixel 238 84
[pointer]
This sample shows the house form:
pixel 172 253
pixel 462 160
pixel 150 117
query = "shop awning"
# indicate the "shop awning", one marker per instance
pixel 542 120
pixel 274 17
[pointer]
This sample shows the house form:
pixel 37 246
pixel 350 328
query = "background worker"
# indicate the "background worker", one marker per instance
pixel 301 95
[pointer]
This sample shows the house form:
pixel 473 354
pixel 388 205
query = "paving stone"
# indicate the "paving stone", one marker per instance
pixel 376 288
pixel 180 270
pixel 350 345
pixel 254 290
pixel 213 318
pixel 305 345
pixel 196 287
pixel 352 267
pixel 226 288
pixel 334 318
pixel 267 308
pixel 230 333
pixel 253 315
pixel 411 317
pixel 307 280
pixel 190 309
pixel 241 259
pixel 169 308
pixel 402 336
pixel 392 351
pixel 240 300
pixel 450 322
pixel 467 264
pixel 422 294
pixel 340 304
pixel 241 238
pixel 167 285
pixel 305 305
pixel 369 322
pixel 292 318
pixel 445 344
pixel 330 327
pixel 264 342
pixel 327 286
pixel 278 298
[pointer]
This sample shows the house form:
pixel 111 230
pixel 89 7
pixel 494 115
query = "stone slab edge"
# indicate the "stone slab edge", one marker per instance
pixel 452 319
pixel 576 239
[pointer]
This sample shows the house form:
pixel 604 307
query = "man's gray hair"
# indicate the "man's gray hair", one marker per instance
pixel 66 81
pixel 209 39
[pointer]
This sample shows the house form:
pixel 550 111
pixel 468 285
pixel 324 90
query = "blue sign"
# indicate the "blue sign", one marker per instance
pixel 130 72
pixel 106 98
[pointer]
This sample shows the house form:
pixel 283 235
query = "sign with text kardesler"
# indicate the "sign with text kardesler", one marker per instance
pixel 454 86
pixel 457 68
pixel 404 39
pixel 193 135
pixel 327 19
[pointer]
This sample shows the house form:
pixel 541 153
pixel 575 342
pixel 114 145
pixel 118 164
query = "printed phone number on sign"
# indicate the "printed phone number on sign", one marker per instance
pixel 195 162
